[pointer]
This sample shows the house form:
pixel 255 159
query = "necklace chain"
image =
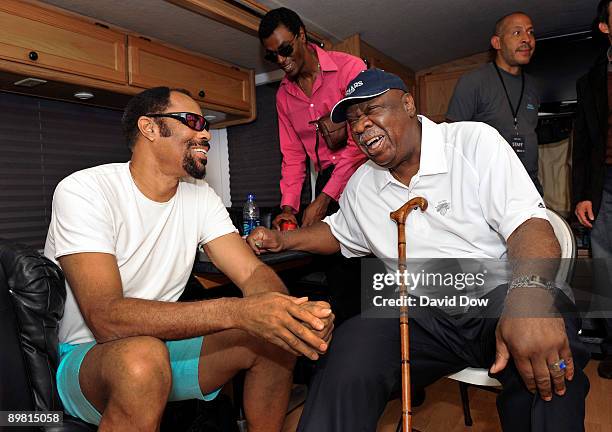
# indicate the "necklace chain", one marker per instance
pixel 298 80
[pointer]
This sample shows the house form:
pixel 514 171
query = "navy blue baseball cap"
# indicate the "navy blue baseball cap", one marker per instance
pixel 369 84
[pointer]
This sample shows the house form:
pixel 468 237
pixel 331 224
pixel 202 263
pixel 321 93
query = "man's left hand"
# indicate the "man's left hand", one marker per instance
pixel 316 210
pixel 535 344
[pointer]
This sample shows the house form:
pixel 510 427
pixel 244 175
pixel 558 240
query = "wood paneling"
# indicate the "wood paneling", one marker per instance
pixel 245 19
pixel 350 45
pixel 374 58
pixel 436 84
pixel 435 92
pixel 463 63
pixel 76 53
pixel 60 42
pixel 152 64
pixel 382 61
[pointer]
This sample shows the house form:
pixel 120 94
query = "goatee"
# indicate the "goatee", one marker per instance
pixel 191 165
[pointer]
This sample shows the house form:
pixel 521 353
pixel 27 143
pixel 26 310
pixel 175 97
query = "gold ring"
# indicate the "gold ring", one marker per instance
pixel 558 366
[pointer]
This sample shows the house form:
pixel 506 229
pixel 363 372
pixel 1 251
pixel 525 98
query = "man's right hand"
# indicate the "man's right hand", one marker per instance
pixel 286 215
pixel 584 212
pixel 281 320
pixel 322 310
pixel 265 240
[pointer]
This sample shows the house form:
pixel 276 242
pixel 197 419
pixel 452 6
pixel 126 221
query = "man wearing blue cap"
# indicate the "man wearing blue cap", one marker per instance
pixel 482 204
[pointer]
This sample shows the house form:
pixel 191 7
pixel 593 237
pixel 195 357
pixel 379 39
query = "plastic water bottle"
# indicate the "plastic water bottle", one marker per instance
pixel 250 215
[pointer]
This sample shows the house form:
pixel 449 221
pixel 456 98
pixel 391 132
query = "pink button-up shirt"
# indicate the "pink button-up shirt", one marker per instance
pixel 298 137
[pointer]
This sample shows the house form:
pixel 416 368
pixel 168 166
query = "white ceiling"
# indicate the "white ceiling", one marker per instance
pixel 417 33
pixel 424 33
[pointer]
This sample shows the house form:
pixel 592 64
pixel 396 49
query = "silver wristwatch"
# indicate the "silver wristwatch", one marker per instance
pixel 532 281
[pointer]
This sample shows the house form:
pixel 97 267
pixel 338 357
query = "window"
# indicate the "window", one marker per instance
pixel 255 157
pixel 41 142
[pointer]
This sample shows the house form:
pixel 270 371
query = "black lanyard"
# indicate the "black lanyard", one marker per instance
pixel 514 112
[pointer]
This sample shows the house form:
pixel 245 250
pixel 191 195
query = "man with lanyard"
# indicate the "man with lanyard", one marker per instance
pixel 314 81
pixel 592 172
pixel 501 94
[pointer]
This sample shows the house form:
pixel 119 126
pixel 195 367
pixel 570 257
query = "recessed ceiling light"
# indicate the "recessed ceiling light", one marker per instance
pixel 83 95
pixel 210 117
pixel 29 82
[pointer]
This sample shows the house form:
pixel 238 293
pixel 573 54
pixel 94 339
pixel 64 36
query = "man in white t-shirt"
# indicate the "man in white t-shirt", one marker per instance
pixel 482 205
pixel 126 236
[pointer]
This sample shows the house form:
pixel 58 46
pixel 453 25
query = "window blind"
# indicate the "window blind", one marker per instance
pixel 255 157
pixel 41 142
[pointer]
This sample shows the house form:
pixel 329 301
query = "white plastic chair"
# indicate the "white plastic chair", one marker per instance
pixel 479 377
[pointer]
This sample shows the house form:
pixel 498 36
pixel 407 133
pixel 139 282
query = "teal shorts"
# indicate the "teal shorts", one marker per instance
pixel 184 361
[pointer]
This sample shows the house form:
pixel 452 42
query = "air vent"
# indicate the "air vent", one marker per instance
pixel 29 82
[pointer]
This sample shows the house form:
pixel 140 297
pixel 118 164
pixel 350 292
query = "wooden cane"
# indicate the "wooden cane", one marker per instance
pixel 399 216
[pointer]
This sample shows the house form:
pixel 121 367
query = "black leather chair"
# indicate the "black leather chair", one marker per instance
pixel 32 296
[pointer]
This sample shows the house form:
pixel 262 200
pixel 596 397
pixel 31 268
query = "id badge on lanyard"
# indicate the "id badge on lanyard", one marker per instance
pixel 518 141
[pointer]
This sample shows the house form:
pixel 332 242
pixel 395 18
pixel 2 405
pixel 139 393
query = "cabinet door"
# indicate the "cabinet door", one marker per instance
pixel 435 91
pixel 45 38
pixel 152 64
pixel 376 59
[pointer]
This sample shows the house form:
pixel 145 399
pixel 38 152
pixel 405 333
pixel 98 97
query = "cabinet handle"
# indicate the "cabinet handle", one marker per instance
pixel 201 93
pixel 33 55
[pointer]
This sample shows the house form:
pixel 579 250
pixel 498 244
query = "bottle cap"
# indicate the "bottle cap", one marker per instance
pixel 287 226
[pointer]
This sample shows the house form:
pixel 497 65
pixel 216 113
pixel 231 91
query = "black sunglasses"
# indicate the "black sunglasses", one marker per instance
pixel 191 120
pixel 283 51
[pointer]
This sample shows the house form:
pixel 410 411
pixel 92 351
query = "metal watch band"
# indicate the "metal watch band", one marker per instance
pixel 530 281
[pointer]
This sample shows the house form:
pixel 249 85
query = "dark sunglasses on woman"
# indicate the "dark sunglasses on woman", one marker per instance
pixel 191 120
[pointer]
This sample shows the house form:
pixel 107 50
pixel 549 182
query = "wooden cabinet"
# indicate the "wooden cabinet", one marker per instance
pixel 435 91
pixel 437 84
pixel 374 58
pixel 47 39
pixel 74 53
pixel 210 82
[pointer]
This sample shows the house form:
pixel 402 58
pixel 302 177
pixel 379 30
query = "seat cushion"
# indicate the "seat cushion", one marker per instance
pixel 14 380
pixel 36 296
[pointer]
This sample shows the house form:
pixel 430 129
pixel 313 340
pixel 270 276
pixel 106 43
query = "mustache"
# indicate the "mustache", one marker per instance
pixel 195 143
pixel 364 138
pixel 525 45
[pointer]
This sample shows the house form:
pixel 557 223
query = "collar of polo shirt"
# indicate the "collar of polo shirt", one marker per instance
pixel 433 157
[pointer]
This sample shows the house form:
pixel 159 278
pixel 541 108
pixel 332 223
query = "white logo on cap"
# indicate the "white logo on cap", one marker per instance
pixel 353 87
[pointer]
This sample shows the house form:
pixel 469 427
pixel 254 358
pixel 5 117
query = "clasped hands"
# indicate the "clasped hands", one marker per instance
pixel 297 325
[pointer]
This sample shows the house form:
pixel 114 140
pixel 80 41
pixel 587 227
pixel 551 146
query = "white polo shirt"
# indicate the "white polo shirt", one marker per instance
pixel 477 189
